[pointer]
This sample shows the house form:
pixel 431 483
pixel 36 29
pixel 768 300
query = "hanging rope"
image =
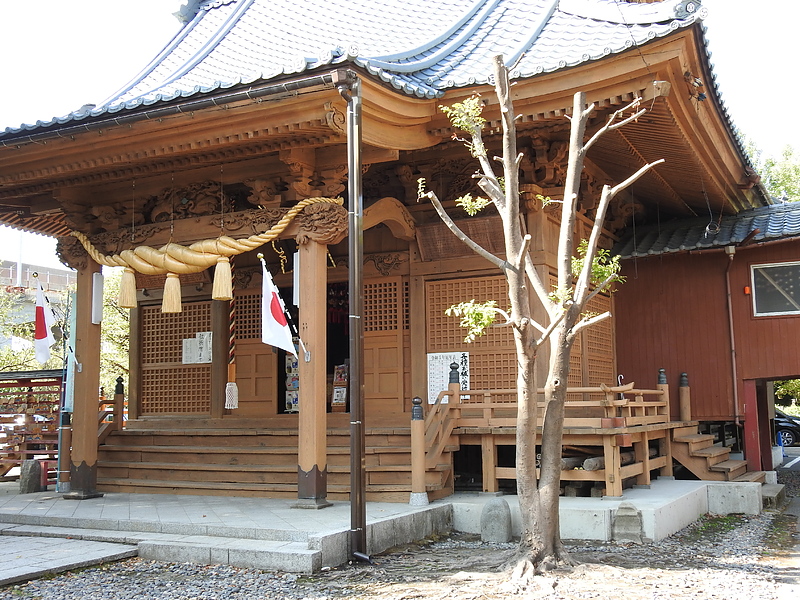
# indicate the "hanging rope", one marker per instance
pixel 231 389
pixel 175 258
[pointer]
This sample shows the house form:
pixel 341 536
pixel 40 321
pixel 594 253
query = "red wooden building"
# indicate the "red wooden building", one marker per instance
pixel 723 306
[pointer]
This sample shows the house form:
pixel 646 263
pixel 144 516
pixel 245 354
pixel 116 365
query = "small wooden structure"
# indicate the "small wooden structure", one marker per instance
pixel 30 410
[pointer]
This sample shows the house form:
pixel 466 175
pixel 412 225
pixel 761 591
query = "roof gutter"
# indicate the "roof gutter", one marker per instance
pixel 259 93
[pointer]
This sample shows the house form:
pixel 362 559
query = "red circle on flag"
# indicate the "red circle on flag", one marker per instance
pixel 275 309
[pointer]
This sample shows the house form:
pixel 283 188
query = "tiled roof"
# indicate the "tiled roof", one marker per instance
pixel 774 222
pixel 421 47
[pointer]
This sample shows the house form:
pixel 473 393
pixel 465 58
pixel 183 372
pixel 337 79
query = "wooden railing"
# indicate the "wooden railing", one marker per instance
pixel 110 415
pixel 606 418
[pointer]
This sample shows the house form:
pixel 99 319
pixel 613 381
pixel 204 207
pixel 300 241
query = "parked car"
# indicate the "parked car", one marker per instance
pixel 787 427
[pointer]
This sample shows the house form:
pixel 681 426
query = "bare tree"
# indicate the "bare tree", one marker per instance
pixel 580 278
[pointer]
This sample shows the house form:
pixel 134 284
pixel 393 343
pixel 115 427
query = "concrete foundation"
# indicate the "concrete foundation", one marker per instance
pixel 269 534
pixel 666 507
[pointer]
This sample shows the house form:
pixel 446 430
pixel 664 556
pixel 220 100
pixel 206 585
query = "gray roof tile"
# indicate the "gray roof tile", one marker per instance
pixel 421 47
pixel 774 222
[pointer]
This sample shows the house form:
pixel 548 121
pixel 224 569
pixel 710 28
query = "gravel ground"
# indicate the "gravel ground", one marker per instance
pixel 732 558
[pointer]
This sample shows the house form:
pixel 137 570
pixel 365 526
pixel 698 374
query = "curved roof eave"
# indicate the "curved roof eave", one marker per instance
pixel 621 31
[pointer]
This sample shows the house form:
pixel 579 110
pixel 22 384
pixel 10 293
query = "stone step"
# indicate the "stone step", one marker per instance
pixel 773 495
pixel 265 554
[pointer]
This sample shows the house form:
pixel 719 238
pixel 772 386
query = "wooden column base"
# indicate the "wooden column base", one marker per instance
pixel 312 488
pixel 83 482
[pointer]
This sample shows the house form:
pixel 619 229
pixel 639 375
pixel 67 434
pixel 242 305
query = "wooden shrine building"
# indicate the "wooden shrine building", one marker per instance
pixel 242 117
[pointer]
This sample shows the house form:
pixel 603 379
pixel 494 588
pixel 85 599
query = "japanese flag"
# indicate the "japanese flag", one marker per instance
pixel 43 334
pixel 274 327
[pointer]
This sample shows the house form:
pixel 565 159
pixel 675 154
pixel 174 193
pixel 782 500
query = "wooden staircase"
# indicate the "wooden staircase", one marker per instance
pixel 254 462
pixel 708 461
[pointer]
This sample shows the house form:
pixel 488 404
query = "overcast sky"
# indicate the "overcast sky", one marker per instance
pixel 58 56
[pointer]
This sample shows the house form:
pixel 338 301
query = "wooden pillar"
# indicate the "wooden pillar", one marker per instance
pixel 685 396
pixel 83 466
pixel 419 492
pixel 418 330
pixel 220 328
pixel 489 463
pixel 312 454
pixel 135 364
pixel 752 445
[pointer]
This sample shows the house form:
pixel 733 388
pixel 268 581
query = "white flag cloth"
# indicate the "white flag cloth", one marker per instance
pixel 274 326
pixel 43 333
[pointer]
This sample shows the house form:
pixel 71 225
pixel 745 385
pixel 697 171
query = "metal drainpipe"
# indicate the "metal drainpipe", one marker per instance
pixel 731 252
pixel 350 89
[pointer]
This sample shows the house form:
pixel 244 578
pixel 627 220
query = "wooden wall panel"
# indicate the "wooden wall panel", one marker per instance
pixel 386 322
pixel 168 386
pixel 671 313
pixel 256 376
pixel 767 347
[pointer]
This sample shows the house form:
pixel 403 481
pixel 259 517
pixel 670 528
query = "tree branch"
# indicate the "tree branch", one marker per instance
pixel 584 323
pixel 610 125
pixel 599 288
pixel 621 186
pixel 553 324
pixel 495 260
pixel 608 193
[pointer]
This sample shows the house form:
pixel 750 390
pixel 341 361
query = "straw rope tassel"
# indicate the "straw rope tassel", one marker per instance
pixel 231 389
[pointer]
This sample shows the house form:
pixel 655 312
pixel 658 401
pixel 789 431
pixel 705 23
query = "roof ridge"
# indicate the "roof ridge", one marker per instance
pixel 630 13
pixel 206 48
pixel 447 49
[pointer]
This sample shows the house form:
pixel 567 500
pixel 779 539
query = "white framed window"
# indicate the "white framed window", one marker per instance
pixel 776 289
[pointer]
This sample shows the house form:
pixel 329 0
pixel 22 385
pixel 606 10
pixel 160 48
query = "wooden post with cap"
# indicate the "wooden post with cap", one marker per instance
pixel 419 494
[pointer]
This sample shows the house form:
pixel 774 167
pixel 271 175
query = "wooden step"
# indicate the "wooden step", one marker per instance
pixel 694 438
pixel 710 451
pixel 731 468
pixel 752 476
pixel 728 465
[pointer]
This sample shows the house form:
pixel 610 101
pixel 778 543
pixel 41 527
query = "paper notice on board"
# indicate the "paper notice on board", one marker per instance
pixel 439 372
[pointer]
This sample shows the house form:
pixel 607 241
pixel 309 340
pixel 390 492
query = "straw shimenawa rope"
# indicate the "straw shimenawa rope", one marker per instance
pixel 174 258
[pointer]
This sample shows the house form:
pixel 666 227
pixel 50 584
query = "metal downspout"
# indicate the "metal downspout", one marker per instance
pixel 350 89
pixel 731 252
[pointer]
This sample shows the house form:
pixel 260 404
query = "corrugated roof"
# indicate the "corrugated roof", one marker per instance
pixel 773 222
pixel 420 47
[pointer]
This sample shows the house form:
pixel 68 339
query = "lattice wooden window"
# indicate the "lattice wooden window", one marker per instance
pixel 248 316
pixel 168 386
pixel 383 305
pixel 599 344
pixel 492 356
pixel 406 304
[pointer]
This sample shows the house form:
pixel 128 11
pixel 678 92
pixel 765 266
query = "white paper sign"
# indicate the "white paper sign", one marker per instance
pixel 204 347
pixel 197 349
pixel 190 351
pixel 439 372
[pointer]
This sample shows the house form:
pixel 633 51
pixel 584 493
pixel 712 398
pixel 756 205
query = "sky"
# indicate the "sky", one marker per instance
pixel 58 56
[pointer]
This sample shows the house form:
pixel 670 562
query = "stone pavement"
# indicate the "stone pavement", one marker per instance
pixel 44 533
pixel 24 558
pixel 262 533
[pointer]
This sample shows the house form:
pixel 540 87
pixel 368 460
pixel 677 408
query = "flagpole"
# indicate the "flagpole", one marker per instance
pixel 289 319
